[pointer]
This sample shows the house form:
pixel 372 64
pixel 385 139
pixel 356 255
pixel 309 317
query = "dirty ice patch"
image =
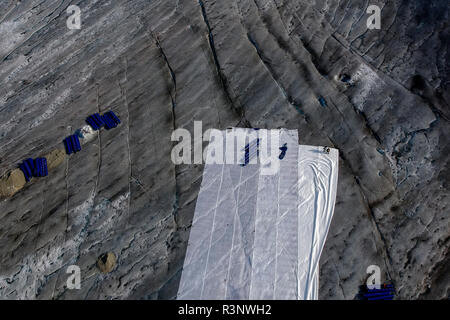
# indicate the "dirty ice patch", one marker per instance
pixel 51 109
pixel 368 82
pixel 47 114
pixel 34 270
pixel 11 34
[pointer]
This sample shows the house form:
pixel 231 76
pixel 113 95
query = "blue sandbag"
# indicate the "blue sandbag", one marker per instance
pixel 110 117
pixel 30 162
pixel 92 123
pixel 77 143
pixel 106 121
pixel 376 294
pixel 109 123
pixel 44 165
pixel 42 168
pixel 112 122
pixel 379 290
pixel 96 127
pixel 98 119
pixel 27 168
pixel 25 172
pixel 72 141
pixel 114 117
pixel 386 297
pixel 68 145
pixel 89 122
pixel 37 167
pixel 382 288
pixel 22 167
pixel 97 124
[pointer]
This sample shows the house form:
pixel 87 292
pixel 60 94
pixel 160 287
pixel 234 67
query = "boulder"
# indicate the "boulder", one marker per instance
pixel 11 183
pixel 106 262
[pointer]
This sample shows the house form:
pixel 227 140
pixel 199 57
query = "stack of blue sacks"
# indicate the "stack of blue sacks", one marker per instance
pixel 386 292
pixel 95 121
pixel 72 144
pixel 109 120
pixel 34 168
pixel 38 167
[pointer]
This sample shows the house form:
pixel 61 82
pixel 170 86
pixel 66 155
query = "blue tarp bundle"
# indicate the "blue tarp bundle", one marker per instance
pixel 95 121
pixel 109 120
pixel 34 168
pixel 386 292
pixel 27 168
pixel 72 144
pixel 40 167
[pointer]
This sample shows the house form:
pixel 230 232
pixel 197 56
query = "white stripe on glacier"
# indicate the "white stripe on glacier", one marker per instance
pixel 317 181
pixel 257 236
pixel 275 245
